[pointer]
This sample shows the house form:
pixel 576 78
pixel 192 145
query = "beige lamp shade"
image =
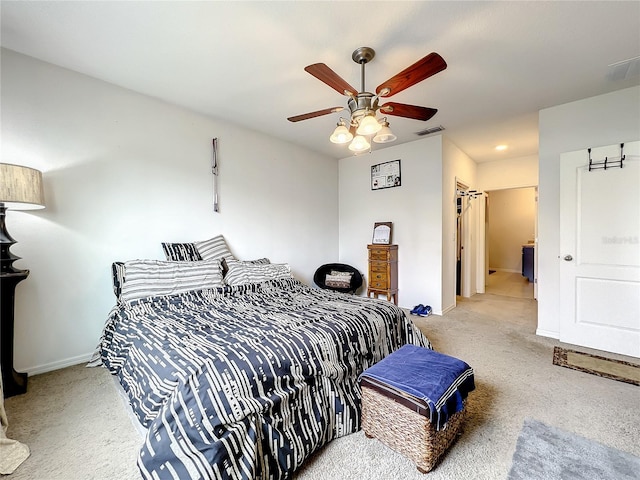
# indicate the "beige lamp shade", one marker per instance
pixel 20 187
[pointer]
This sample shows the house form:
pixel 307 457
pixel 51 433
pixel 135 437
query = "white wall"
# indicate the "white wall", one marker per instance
pixel 512 217
pixel 415 208
pixel 592 122
pixel 124 172
pixel 458 167
pixel 423 214
pixel 508 173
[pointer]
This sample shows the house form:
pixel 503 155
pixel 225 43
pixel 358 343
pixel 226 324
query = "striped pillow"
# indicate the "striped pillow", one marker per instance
pixel 241 273
pixel 181 252
pixel 117 273
pixel 213 249
pixel 147 278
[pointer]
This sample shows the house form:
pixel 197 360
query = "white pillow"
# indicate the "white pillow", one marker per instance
pixel 213 249
pixel 242 272
pixel 146 278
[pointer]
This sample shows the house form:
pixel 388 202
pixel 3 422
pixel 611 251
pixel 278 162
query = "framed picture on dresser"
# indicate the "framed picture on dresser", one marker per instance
pixel 382 233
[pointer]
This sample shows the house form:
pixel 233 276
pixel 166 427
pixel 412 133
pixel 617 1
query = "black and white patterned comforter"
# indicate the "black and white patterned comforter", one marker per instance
pixel 248 381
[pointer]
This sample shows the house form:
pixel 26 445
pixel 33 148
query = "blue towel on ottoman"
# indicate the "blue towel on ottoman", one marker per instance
pixel 440 381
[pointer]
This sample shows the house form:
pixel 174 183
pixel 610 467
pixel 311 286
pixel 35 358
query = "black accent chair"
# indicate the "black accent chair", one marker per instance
pixel 321 274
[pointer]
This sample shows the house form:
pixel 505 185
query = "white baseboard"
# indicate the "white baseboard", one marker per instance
pixel 508 270
pixel 548 333
pixel 447 309
pixel 50 367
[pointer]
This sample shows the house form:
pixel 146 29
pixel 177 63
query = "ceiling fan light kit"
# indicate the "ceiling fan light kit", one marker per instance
pixel 341 134
pixel 359 144
pixel 368 125
pixel 363 105
pixel 385 135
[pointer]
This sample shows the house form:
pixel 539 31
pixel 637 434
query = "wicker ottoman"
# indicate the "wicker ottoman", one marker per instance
pixel 398 420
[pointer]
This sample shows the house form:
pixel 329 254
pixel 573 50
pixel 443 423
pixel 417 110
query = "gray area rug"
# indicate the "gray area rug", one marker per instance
pixel 548 453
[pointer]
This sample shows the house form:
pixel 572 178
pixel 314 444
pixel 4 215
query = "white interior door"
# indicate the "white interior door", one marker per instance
pixel 600 250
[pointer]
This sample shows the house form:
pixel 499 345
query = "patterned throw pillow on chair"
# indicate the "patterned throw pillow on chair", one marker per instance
pixel 337 279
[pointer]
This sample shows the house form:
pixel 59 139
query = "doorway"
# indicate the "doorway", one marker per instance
pixel 510 236
pixel 459 247
pixel 462 191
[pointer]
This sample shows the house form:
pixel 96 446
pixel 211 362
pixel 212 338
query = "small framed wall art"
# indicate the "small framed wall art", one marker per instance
pixel 385 175
pixel 382 233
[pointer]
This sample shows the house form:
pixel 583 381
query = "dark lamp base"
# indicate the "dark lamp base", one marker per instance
pixel 13 383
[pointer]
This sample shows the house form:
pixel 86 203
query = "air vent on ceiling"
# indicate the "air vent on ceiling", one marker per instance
pixel 429 131
pixel 625 69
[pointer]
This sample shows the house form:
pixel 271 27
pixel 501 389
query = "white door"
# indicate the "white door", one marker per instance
pixel 600 250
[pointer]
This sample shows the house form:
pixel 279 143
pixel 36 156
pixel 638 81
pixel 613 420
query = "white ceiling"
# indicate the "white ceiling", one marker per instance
pixel 244 61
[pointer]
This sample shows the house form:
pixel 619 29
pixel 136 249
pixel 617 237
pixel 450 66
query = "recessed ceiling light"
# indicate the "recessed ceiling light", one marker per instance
pixel 501 147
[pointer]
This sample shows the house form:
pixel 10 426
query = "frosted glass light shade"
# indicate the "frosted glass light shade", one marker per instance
pixel 385 135
pixel 20 187
pixel 368 126
pixel 359 144
pixel 341 135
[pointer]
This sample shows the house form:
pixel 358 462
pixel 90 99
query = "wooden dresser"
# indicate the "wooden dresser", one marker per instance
pixel 383 271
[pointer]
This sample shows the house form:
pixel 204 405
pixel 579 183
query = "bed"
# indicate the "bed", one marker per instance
pixel 245 380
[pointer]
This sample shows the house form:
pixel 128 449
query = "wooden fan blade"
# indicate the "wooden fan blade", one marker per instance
pixel 408 111
pixel 319 113
pixel 422 69
pixel 331 78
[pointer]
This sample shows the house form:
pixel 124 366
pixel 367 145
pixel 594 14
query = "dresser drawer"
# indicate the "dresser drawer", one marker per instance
pixel 380 255
pixel 378 266
pixel 376 284
pixel 379 277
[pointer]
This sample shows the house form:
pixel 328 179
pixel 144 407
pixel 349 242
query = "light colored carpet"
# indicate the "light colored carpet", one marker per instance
pixel 77 428
pixel 12 452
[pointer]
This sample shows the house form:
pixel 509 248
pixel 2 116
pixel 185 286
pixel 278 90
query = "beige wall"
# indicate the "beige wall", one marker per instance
pixel 511 218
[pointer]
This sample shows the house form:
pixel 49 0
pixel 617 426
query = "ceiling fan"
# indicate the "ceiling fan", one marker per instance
pixel 363 105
